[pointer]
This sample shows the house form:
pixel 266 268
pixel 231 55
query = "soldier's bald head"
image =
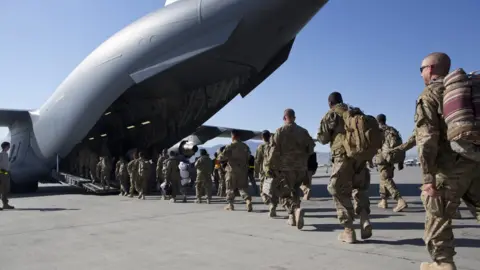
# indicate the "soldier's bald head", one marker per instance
pixel 335 98
pixel 436 64
pixel 289 115
pixel 381 118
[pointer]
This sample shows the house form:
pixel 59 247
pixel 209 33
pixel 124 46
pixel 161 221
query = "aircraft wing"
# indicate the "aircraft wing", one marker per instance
pixel 205 133
pixel 8 116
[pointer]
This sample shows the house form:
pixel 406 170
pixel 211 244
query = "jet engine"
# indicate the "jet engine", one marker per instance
pixel 184 148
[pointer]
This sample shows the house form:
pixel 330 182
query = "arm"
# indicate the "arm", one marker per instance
pixel 327 125
pixel 409 144
pixel 225 154
pixel 427 123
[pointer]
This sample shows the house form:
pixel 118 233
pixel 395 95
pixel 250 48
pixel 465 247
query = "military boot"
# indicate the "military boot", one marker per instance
pixel 401 204
pixel 272 211
pixel 143 196
pixel 173 200
pixel 7 206
pixel 121 194
pixel 131 195
pixel 457 215
pixel 383 204
pixel 348 236
pixel 198 200
pixel 229 207
pixel 208 201
pixel 438 266
pixel 140 196
pixel 184 200
pixel 365 226
pixel 291 220
pixel 249 205
pixel 299 218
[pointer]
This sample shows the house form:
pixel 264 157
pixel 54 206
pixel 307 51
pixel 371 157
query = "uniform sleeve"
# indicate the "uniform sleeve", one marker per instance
pixel 226 153
pixel 258 159
pixel 427 123
pixel 273 159
pixel 327 125
pixel 409 144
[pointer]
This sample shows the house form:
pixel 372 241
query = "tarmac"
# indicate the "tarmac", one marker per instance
pixel 60 227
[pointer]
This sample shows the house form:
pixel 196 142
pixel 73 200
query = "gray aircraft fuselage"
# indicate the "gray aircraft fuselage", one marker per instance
pixel 178 66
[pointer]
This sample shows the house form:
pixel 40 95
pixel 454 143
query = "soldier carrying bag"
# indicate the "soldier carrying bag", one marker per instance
pixel 392 140
pixel 461 110
pixel 363 136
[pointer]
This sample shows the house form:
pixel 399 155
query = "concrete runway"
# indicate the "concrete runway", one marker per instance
pixel 61 228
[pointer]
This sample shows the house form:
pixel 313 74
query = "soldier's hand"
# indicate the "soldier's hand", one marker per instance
pixel 429 190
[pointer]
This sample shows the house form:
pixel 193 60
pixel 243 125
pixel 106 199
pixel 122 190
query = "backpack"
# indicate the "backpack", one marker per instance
pixel 461 111
pixel 392 140
pixel 363 136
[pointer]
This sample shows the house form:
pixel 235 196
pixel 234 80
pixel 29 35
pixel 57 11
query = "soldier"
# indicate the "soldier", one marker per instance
pixel 132 169
pixel 291 145
pixel 222 175
pixel 98 169
pixel 251 177
pixel 386 169
pixel 171 174
pixel 440 164
pixel 144 171
pixel 159 168
pixel 347 173
pixel 204 173
pixel 236 155
pixel 312 167
pixel 215 174
pixel 92 166
pixel 5 175
pixel 259 158
pixel 121 175
pixel 105 170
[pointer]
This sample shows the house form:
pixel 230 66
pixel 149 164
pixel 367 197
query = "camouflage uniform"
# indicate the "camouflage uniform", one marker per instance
pixel 259 172
pixel 220 170
pixel 105 170
pixel 132 169
pixel 92 165
pixel 144 172
pixel 453 175
pixel 387 185
pixel 171 174
pixel 291 145
pixel 348 175
pixel 236 155
pixel 409 144
pixel 204 180
pixel 159 168
pixel 121 175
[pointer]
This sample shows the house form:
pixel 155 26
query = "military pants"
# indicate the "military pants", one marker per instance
pixel 349 178
pixel 461 180
pixel 134 184
pixel 270 190
pixel 216 179
pixel 4 187
pixel 105 178
pixel 236 180
pixel 387 185
pixel 307 184
pixel 142 184
pixel 203 186
pixel 124 183
pixel 288 186
pixel 222 187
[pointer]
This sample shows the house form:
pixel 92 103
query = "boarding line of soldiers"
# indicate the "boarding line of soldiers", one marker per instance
pixel 447 176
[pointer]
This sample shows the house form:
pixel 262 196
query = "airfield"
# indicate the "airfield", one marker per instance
pixel 59 227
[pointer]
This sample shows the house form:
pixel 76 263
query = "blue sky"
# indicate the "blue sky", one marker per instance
pixel 370 51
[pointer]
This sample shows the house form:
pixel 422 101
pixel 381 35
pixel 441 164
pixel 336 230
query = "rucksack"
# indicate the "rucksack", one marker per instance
pixel 363 136
pixel 461 111
pixel 392 139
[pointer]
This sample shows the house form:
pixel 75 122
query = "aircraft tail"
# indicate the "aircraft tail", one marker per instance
pixel 8 117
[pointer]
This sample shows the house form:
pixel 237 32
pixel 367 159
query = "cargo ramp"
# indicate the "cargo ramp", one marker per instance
pixel 86 184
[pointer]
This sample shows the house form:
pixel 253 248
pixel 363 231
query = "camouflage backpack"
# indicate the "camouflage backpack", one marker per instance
pixel 363 136
pixel 392 140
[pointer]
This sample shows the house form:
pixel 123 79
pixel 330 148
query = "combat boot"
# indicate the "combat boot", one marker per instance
pixel 291 220
pixel 401 204
pixel 249 205
pixel 383 204
pixel 208 201
pixel 184 200
pixel 173 200
pixel 131 195
pixel 348 236
pixel 121 194
pixel 198 200
pixel 229 207
pixel 366 227
pixel 299 218
pixel 438 266
pixel 7 206
pixel 143 196
pixel 272 211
